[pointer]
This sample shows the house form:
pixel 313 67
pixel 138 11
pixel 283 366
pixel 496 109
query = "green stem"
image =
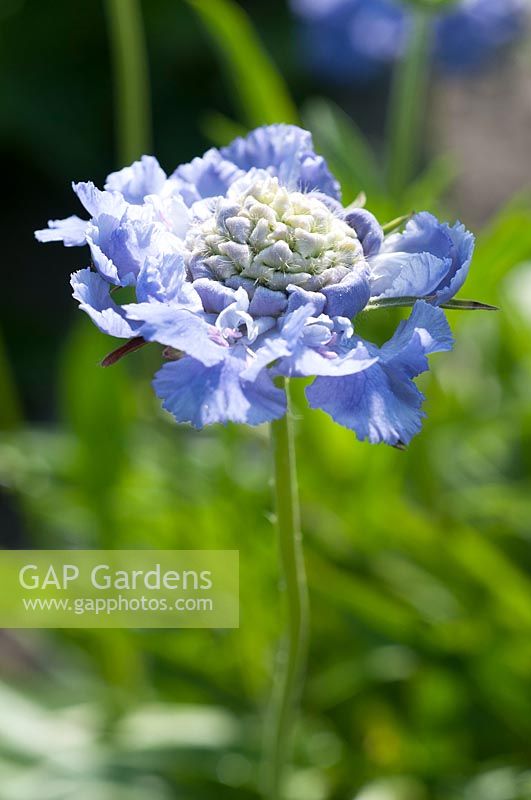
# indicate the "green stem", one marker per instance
pixel 131 79
pixel 408 104
pixel 291 661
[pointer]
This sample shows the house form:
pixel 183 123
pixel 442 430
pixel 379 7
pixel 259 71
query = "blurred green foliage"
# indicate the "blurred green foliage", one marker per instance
pixel 263 97
pixel 419 562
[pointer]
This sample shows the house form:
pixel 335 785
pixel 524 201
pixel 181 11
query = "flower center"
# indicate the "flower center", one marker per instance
pixel 272 237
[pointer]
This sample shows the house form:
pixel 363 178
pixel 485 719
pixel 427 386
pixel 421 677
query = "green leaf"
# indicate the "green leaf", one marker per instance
pixel 346 149
pixel 395 302
pixel 262 93
pixel 406 302
pixel 396 223
pixel 468 305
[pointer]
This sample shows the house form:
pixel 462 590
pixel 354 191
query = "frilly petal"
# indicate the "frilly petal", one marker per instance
pixel 164 280
pixel 97 202
pixel 406 274
pixel 464 243
pixel 381 403
pixel 179 328
pixel 203 395
pixel 305 345
pixel 118 249
pixel 425 240
pixel 138 180
pixel 92 293
pixel 287 152
pixel 72 231
pixel 171 212
pixel 120 245
pixel 209 176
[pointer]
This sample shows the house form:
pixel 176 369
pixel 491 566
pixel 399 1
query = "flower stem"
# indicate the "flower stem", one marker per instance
pixel 131 78
pixel 291 661
pixel 407 104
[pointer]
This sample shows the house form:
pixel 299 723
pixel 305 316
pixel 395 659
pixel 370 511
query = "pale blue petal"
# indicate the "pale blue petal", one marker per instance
pixel 426 325
pixel 423 236
pixel 171 211
pixel 204 395
pixel 178 328
pixel 163 279
pixel 234 317
pixel 214 295
pixel 140 179
pixel 406 274
pixel 348 298
pixel 267 303
pixel 72 231
pixel 209 176
pixel 120 247
pixel 281 341
pixel 287 152
pixel 303 345
pixel 307 361
pixel 92 293
pixel 464 243
pixel 381 403
pixel 372 404
pixel 368 230
pixel 97 202
pixel 298 297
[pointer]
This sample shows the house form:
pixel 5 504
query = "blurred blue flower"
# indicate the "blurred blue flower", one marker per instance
pixel 355 40
pixel 246 266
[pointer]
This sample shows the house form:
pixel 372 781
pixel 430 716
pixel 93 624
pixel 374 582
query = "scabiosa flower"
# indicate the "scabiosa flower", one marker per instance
pixel 355 40
pixel 246 266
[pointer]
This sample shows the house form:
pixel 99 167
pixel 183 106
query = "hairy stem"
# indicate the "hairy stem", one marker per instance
pixel 291 660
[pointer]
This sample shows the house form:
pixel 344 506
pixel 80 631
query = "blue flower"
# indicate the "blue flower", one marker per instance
pixel 355 40
pixel 245 267
pixel 468 35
